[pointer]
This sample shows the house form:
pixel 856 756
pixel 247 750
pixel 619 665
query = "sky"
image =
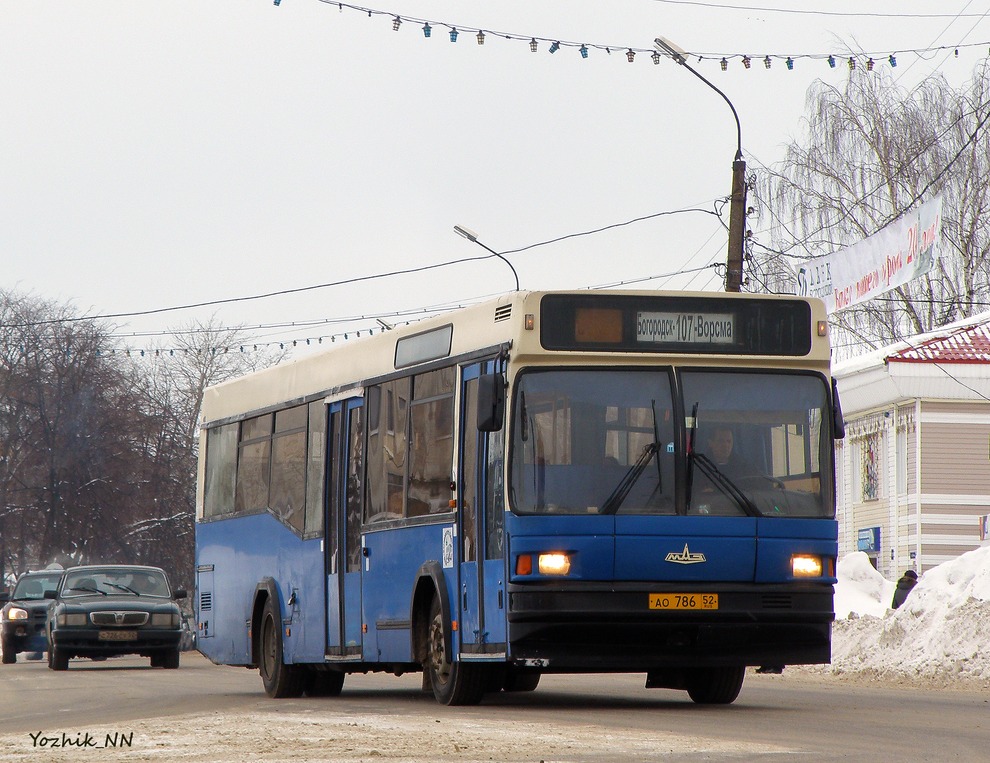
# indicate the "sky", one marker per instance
pixel 158 155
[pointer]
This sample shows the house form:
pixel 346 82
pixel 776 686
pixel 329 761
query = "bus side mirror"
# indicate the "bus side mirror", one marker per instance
pixel 838 423
pixel 491 402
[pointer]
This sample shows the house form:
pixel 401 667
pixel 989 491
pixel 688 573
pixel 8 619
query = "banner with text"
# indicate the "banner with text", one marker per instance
pixel 889 258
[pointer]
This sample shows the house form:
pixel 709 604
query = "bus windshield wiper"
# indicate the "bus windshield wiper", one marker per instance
pixel 725 484
pixel 618 495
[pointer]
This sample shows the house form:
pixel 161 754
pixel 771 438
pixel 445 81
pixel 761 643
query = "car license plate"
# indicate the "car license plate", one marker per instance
pixel 683 601
pixel 118 635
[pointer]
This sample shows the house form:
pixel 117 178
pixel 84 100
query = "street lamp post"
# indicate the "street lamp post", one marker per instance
pixel 472 236
pixel 737 204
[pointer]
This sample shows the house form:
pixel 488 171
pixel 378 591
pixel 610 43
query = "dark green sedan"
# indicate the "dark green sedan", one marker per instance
pixel 102 611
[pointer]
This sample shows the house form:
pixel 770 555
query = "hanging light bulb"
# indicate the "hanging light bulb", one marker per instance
pixel 555 47
pixel 278 2
pixel 831 61
pixel 746 62
pixel 396 23
pixel 630 55
pixel 583 50
pixel 481 37
pixel 533 45
pixel 869 65
pixel 724 63
pixel 453 34
pixel 852 63
pixel 427 29
pixel 766 62
pixel 656 57
pixel 790 63
pixel 892 60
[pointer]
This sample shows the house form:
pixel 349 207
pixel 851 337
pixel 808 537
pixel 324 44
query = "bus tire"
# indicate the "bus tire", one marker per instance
pixel 516 680
pixel 454 683
pixel 716 686
pixel 280 680
pixel 323 683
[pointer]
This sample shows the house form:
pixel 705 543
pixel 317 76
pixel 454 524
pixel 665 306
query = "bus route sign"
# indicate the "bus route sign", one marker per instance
pixel 685 328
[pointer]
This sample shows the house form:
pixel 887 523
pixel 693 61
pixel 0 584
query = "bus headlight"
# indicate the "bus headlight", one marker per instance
pixel 554 564
pixel 806 566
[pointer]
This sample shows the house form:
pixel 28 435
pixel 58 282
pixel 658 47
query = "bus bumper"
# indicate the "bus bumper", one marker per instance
pixel 613 628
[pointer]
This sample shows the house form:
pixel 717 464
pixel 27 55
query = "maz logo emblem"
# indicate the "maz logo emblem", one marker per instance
pixel 685 557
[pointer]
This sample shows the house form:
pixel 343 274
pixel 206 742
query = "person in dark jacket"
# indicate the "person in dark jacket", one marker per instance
pixel 908 581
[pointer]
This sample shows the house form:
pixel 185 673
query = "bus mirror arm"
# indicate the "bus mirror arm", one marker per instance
pixel 491 402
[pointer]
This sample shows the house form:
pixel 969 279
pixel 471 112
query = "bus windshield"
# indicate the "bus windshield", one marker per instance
pixel 610 442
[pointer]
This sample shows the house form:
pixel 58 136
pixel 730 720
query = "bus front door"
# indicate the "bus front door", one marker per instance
pixel 481 582
pixel 343 536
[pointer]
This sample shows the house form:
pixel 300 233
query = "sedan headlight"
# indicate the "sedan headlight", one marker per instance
pixel 16 613
pixel 70 618
pixel 165 619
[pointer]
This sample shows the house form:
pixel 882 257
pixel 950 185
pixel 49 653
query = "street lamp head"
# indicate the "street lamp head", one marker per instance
pixel 674 51
pixel 470 235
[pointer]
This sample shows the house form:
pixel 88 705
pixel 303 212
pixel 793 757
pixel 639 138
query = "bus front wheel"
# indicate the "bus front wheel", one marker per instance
pixel 453 682
pixel 716 686
pixel 280 680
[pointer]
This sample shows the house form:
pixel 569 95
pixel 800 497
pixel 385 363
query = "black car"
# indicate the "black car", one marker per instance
pixel 109 610
pixel 22 619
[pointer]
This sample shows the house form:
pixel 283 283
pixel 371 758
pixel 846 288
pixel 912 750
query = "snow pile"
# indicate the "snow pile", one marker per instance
pixel 938 634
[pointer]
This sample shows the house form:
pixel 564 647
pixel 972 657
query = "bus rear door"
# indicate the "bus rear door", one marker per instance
pixel 342 549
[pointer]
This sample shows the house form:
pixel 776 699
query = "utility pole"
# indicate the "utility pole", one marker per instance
pixel 737 200
pixel 737 225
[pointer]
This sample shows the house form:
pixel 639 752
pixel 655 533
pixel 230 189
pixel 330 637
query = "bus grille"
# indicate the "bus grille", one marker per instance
pixel 777 601
pixel 503 313
pixel 205 601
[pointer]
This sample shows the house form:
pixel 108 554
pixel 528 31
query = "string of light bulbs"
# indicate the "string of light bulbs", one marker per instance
pixel 453 32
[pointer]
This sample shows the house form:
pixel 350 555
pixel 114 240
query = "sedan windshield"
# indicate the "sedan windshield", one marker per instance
pixel 618 442
pixel 115 581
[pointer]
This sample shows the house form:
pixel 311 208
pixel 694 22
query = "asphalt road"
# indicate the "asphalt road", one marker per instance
pixel 574 718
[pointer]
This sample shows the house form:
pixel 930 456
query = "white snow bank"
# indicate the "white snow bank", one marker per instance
pixel 938 634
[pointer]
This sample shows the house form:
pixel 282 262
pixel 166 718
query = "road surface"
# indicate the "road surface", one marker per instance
pixel 122 710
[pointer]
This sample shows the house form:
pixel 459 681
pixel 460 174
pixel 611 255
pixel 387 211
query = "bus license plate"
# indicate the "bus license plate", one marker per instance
pixel 118 636
pixel 683 601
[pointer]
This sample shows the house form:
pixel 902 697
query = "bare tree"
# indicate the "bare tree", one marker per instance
pixel 873 151
pixel 174 380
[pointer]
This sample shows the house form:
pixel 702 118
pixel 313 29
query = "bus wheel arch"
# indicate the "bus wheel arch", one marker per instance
pixel 279 678
pixel 430 585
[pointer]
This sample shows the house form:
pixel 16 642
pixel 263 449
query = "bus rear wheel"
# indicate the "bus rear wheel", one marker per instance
pixel 716 686
pixel 323 683
pixel 280 680
pixel 453 682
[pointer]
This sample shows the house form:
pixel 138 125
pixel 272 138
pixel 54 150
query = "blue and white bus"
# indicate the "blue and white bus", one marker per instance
pixel 537 484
